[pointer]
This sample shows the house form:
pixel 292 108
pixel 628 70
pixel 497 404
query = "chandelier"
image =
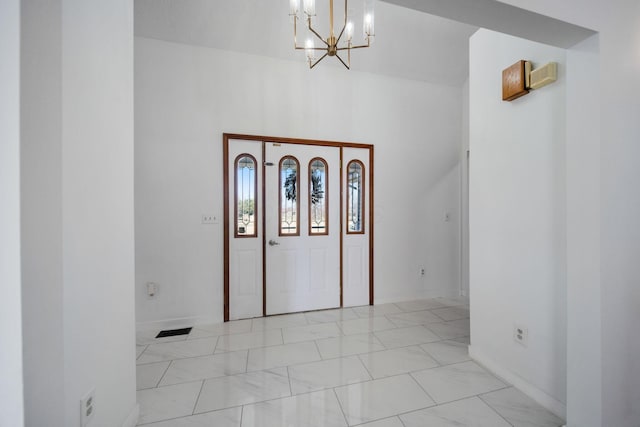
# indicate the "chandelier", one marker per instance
pixel 332 45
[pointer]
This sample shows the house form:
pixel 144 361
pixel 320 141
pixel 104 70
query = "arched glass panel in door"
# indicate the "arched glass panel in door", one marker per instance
pixel 246 196
pixel 355 197
pixel 318 197
pixel 289 215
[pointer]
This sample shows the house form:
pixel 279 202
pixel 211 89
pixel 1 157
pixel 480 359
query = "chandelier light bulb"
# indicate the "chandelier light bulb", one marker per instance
pixel 349 30
pixel 310 7
pixel 294 7
pixel 368 24
pixel 309 48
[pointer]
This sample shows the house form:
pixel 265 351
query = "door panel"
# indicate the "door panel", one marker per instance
pixel 357 224
pixel 244 269
pixel 302 269
pixel 245 229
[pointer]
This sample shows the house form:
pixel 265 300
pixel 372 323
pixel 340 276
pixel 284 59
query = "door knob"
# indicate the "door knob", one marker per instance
pixel 273 243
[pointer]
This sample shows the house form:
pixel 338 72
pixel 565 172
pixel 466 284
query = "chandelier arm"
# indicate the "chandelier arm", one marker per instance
pixel 295 31
pixel 317 35
pixel 341 33
pixel 345 21
pixel 316 63
pixel 343 63
pixel 362 46
pixel 324 49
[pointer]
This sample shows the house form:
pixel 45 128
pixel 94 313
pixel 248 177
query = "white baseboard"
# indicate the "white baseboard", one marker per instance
pixel 179 322
pixel 132 419
pixel 422 295
pixel 548 402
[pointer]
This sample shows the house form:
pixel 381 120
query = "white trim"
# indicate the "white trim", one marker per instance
pixel 422 295
pixel 548 402
pixel 132 419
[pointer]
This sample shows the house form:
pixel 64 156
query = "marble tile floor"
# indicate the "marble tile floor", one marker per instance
pixel 390 365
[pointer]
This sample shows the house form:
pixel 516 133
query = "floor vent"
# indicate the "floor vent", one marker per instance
pixel 173 332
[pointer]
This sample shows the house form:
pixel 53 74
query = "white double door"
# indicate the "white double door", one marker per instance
pixel 302 227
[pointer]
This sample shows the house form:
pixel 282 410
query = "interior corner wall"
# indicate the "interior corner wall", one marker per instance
pixel 517 220
pixel 440 235
pixel 11 385
pixel 187 96
pixel 77 211
pixel 465 158
pixel 584 350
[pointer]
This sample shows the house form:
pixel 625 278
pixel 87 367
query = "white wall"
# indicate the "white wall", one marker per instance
pixel 187 96
pixel 517 219
pixel 78 255
pixel 10 313
pixel 609 239
pixel 41 176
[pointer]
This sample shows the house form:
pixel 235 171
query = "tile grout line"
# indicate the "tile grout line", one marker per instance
pixel 429 354
pixel 195 404
pixel 479 396
pixel 318 350
pixel 215 347
pixel 163 374
pixel 335 393
pixel 378 420
pixel 423 389
pixel 289 379
pixel 142 352
pixel 365 366
pixel 172 356
pixel 199 356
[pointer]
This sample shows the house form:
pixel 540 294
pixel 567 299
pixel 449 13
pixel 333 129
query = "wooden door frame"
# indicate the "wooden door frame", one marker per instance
pixel 226 138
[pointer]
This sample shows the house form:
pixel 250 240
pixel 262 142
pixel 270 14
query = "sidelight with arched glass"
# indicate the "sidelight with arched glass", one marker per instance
pixel 246 196
pixel 289 215
pixel 318 197
pixel 355 197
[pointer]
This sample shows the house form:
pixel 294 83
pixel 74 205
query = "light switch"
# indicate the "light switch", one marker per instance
pixel 210 219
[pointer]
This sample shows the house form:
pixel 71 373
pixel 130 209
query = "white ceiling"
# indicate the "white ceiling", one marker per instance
pixel 504 18
pixel 409 44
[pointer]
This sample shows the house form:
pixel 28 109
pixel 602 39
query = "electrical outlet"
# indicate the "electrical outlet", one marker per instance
pixel 208 218
pixel 421 271
pixel 87 408
pixel 521 335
